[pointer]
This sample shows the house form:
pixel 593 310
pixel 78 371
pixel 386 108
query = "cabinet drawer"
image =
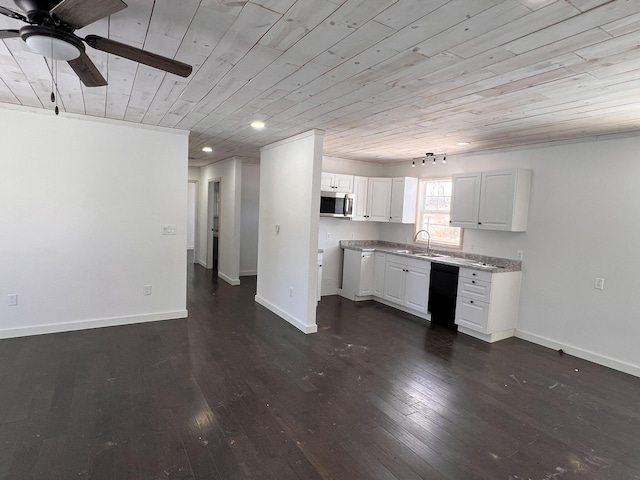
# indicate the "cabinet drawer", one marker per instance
pixel 475 274
pixel 472 314
pixel 474 289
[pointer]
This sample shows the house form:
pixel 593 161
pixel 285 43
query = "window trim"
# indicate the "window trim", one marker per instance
pixel 420 211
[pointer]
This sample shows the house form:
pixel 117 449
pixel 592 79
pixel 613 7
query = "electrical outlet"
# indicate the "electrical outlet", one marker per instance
pixel 519 255
pixel 328 235
pixel 291 292
pixel 599 284
pixel 12 299
pixel 472 248
pixel 277 229
pixel 147 289
pixel 353 236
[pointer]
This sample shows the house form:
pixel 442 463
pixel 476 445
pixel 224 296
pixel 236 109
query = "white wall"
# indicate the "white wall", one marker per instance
pixel 583 223
pixel 81 218
pixel 229 172
pixel 249 219
pixel 290 197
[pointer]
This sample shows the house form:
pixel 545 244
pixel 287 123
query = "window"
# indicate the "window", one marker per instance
pixel 434 203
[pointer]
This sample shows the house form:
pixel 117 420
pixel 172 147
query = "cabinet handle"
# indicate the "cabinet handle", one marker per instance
pixel 470 301
pixel 472 281
pixel 473 274
pixel 479 223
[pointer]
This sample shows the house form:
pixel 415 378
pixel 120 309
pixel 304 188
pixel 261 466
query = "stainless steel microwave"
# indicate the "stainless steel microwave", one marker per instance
pixel 335 204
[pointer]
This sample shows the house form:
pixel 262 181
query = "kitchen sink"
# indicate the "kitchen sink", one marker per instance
pixel 402 251
pixel 431 255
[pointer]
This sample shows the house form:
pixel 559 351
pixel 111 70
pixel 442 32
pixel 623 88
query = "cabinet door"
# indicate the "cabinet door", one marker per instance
pixel 379 199
pixel 496 200
pixel 404 193
pixel 397 197
pixel 379 263
pixel 417 289
pixel 326 182
pixel 394 278
pixel 366 274
pixel 343 183
pixel 465 200
pixel 472 314
pixel 360 198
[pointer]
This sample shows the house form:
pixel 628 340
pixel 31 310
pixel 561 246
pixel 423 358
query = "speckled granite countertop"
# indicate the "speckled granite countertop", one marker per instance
pixel 460 259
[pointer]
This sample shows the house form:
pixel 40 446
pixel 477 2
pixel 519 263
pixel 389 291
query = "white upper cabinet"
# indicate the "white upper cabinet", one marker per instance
pixel 379 199
pixel 404 191
pixel 336 182
pixel 491 200
pixel 360 189
pixel 465 200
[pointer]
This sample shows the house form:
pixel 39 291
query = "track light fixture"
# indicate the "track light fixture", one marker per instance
pixel 432 156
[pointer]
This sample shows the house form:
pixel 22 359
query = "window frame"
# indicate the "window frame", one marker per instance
pixel 422 185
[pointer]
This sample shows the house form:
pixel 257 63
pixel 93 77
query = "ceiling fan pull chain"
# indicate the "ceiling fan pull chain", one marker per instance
pixel 57 110
pixel 53 95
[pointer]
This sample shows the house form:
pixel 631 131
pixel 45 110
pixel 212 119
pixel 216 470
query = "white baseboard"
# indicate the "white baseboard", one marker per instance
pixel 202 262
pixel 229 280
pixel 580 353
pixel 248 273
pixel 88 324
pixel 299 324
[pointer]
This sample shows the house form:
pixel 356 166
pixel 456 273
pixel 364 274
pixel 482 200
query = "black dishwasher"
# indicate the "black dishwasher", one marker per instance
pixel 443 288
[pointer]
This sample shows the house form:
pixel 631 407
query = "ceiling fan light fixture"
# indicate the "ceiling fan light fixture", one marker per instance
pixel 52 47
pixel 51 42
pixel 258 124
pixel 207 149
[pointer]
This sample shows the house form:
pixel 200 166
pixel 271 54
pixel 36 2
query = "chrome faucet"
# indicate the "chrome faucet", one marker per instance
pixel 428 239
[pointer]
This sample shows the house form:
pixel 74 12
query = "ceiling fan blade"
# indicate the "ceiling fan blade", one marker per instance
pixel 79 13
pixel 87 71
pixel 138 55
pixel 9 33
pixel 12 14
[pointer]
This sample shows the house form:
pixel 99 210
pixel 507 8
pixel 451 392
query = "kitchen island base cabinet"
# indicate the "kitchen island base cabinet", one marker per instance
pixel 487 304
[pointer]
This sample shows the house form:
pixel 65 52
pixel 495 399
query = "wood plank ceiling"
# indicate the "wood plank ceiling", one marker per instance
pixel 387 80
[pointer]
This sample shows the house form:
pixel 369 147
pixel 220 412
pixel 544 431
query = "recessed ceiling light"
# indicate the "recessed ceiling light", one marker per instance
pixel 207 149
pixel 257 124
pixel 462 144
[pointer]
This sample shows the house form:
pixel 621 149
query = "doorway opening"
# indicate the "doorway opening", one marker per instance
pixel 213 225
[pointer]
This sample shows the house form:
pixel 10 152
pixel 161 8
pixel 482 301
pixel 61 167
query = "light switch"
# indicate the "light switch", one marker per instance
pixel 169 229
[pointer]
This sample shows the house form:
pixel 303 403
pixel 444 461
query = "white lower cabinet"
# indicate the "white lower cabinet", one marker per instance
pixel 357 275
pixel 487 304
pixel 401 281
pixel 379 264
pixel 406 282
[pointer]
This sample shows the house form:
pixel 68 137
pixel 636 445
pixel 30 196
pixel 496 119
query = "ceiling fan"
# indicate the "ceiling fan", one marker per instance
pixel 50 28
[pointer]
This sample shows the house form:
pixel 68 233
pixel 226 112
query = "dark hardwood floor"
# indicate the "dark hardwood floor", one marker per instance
pixel 234 392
